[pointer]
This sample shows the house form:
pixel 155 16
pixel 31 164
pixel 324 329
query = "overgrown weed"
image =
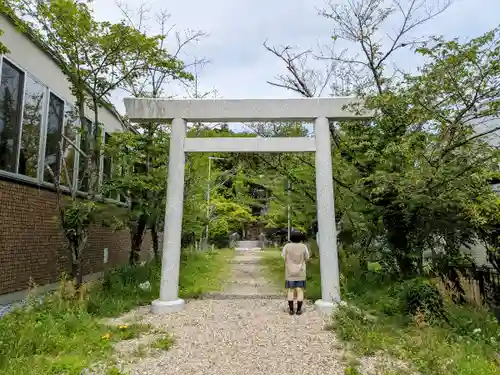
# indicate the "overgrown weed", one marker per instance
pixel 63 333
pixel 375 318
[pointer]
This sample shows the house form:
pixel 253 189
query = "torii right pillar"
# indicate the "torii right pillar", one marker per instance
pixel 327 230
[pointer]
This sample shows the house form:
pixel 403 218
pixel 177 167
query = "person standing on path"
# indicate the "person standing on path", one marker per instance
pixel 296 255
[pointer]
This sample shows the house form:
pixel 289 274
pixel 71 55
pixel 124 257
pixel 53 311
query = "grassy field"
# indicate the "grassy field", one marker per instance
pixel 65 334
pixel 373 323
pixel 467 344
pixel 204 272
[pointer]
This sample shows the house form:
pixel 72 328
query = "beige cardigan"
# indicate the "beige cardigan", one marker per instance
pixel 296 256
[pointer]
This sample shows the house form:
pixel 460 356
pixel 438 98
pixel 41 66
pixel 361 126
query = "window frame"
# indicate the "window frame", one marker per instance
pixel 103 156
pixel 43 124
pixel 77 185
pixel 100 175
pixel 21 112
pixel 39 180
pixel 63 126
pixel 76 159
pixel 21 119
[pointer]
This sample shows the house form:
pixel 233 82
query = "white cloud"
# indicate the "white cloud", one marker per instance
pixel 240 66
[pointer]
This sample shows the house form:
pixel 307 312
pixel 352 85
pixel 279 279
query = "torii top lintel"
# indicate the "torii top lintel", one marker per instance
pixel 242 110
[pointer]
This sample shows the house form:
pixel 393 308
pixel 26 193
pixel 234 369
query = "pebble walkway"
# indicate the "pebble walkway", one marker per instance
pixel 244 329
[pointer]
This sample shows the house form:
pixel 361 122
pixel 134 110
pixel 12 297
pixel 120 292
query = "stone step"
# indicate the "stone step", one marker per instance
pixel 247 244
pixel 245 261
pixel 249 268
pixel 248 281
pixel 224 296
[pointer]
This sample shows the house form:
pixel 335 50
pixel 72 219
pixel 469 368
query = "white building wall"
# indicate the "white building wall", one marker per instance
pixel 29 57
pixel 37 65
pixel 478 252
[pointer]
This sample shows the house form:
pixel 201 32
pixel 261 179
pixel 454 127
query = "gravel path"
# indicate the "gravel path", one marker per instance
pixel 242 330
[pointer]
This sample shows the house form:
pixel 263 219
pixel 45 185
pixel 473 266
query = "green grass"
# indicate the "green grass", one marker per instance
pixel 275 269
pixel 432 350
pixel 65 333
pixel 58 336
pixel 163 343
pixel 467 345
pixel 350 370
pixel 203 272
pixel 200 272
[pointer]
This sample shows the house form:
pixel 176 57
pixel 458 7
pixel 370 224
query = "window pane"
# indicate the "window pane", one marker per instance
pixel 11 91
pixel 97 155
pixel 70 131
pixel 106 173
pixel 123 173
pixel 54 129
pixel 109 170
pixel 83 172
pixel 32 123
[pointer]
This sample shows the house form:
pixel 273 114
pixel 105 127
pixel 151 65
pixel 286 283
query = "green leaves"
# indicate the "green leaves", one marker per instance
pixel 140 161
pixel 423 163
pixel 3 47
pixel 98 56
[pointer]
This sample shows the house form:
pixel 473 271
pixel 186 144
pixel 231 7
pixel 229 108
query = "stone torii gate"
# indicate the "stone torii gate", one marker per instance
pixel 179 112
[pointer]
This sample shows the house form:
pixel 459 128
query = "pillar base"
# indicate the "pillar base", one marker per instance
pixel 159 307
pixel 325 307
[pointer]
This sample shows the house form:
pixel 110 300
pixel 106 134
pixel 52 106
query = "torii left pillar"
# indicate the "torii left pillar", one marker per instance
pixel 169 300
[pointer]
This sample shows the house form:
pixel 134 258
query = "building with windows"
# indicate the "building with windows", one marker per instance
pixel 36 107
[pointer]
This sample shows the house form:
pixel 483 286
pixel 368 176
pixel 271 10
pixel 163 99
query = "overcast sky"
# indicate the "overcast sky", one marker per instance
pixel 240 66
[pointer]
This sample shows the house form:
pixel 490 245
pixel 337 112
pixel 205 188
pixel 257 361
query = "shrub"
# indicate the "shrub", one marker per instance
pixel 356 326
pixel 420 296
pixel 120 289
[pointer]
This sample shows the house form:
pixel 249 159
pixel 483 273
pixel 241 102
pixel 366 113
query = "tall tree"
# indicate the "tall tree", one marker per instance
pixel 424 155
pixel 145 185
pixel 144 155
pixel 367 35
pixel 97 57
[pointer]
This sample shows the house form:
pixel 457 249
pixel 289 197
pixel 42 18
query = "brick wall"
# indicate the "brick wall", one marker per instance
pixel 31 244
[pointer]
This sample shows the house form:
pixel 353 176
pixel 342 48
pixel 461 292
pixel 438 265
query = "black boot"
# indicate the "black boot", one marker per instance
pixel 299 307
pixel 290 307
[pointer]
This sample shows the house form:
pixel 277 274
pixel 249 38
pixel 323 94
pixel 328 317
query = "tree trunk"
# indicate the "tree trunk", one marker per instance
pixel 76 262
pixel 85 137
pixel 156 245
pixel 136 236
pixel 93 162
pixel 76 270
pixel 397 237
pixel 75 267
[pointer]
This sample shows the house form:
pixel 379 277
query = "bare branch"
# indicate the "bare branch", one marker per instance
pixel 362 68
pixel 360 22
pixel 299 78
pixel 157 78
pixel 74 146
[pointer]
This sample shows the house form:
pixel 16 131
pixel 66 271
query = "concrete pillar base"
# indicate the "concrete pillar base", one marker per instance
pixel 325 307
pixel 159 307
